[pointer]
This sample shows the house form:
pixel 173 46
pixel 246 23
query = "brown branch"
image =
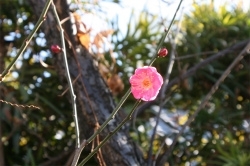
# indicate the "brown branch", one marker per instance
pixel 19 105
pixel 78 152
pixel 192 71
pixel 240 56
pixel 202 64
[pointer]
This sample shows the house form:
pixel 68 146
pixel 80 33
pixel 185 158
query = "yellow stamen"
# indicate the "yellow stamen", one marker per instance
pixel 147 84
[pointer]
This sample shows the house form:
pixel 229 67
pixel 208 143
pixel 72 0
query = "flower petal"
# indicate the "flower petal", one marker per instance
pixel 139 83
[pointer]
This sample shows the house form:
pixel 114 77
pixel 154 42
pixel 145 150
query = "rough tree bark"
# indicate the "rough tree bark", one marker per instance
pixel 120 149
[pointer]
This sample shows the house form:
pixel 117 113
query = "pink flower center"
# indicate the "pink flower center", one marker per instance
pixel 147 84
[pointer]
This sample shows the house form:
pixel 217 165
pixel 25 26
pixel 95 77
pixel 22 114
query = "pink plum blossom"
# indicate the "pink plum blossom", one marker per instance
pixel 146 83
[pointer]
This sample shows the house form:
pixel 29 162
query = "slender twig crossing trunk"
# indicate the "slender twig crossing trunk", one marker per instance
pixel 94 100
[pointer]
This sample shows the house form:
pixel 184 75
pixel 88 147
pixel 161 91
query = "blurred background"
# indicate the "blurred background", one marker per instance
pixel 123 35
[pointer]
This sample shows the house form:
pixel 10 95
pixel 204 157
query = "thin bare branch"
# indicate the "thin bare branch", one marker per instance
pixel 128 117
pixel 41 19
pixel 234 48
pixel 220 54
pixel 162 94
pixel 245 51
pixel 72 94
pixel 78 152
pixel 19 105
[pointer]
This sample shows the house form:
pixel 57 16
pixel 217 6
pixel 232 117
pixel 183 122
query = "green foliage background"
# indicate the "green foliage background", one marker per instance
pixel 216 137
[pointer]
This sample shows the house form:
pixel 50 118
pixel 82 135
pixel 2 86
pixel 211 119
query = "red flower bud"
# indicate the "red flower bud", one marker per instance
pixel 162 52
pixel 55 49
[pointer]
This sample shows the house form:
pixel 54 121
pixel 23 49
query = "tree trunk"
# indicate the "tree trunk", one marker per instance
pixel 93 97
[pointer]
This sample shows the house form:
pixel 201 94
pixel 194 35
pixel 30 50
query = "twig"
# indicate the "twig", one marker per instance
pixel 84 88
pixel 162 97
pixel 220 54
pixel 74 81
pixel 193 70
pixel 245 51
pixel 19 105
pixel 78 152
pixel 41 19
pixel 72 95
pixel 166 33
pixel 194 55
pixel 112 115
pixel 162 94
pixel 111 134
